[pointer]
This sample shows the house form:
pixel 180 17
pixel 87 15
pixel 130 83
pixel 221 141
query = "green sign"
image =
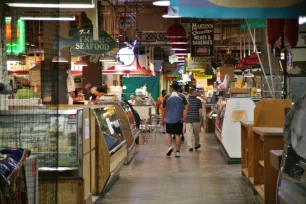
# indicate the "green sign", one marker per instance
pixel 82 43
pixel 17 46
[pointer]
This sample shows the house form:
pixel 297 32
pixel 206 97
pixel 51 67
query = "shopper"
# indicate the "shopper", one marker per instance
pixel 93 96
pixel 26 92
pixel 100 93
pixel 159 107
pixel 175 109
pixel 194 120
pixel 132 100
pixel 159 102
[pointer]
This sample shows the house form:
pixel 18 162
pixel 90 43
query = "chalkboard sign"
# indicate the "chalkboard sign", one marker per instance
pixel 202 37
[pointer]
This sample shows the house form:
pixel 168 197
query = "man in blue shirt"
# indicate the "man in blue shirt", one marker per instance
pixel 175 106
pixel 194 120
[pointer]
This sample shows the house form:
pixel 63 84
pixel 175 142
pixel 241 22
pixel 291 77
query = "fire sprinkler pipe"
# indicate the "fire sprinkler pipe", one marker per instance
pixel 256 51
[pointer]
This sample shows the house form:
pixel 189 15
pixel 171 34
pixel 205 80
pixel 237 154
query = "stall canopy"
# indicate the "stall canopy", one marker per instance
pixel 238 8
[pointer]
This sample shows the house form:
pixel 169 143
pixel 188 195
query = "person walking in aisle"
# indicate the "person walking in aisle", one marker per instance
pixel 175 109
pixel 194 120
pixel 159 103
pixel 159 108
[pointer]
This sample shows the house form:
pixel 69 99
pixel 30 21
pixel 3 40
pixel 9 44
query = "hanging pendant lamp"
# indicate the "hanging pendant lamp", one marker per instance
pixel 248 74
pixel 161 3
pixel 60 58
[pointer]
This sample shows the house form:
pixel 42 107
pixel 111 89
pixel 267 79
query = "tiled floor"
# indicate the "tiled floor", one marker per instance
pixel 200 177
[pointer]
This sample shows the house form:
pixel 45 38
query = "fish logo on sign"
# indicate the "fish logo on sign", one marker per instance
pixel 82 43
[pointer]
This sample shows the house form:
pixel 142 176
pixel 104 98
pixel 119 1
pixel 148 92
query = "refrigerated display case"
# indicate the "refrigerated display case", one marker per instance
pixel 110 146
pixel 54 137
pixel 130 131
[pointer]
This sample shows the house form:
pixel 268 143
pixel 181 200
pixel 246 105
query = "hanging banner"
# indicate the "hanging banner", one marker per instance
pixel 202 36
pixel 82 43
pixel 238 8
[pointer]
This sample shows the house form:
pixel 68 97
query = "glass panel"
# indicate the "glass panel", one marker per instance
pixel 129 113
pixel 39 133
pixel 110 126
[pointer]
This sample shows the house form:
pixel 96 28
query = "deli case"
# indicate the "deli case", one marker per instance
pixel 130 131
pixel 80 149
pixel 55 138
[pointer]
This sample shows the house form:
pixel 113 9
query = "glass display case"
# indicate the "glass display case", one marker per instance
pixel 54 136
pixel 110 126
pixel 130 114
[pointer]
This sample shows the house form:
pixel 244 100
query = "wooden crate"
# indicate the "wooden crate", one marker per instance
pixel 265 176
pixel 247 141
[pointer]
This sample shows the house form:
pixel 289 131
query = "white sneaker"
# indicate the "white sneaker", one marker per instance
pixel 170 150
pixel 177 154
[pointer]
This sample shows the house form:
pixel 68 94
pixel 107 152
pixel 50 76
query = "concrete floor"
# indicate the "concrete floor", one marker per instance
pixel 200 177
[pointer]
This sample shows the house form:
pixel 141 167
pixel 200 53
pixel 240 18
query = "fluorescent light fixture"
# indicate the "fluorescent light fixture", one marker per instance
pixel 181 54
pixel 302 20
pixel 178 49
pixel 8 18
pixel 161 3
pixel 178 43
pixel 169 16
pixel 29 18
pixel 41 5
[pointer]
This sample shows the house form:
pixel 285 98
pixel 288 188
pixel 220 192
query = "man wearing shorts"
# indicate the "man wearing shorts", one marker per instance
pixel 175 107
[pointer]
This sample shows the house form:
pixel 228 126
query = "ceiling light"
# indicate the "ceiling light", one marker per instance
pixel 178 49
pixel 80 62
pixel 161 3
pixel 169 16
pixel 107 59
pixel 40 5
pixel 302 20
pixel 26 18
pixel 178 43
pixel 181 54
pixel 59 58
pixel 248 74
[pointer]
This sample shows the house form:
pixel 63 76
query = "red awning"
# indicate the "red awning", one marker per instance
pixel 138 71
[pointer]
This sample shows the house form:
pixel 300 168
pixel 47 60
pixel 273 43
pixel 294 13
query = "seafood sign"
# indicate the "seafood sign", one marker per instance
pixel 239 8
pixel 82 43
pixel 202 36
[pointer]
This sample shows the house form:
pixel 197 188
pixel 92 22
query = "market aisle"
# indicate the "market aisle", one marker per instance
pixel 200 177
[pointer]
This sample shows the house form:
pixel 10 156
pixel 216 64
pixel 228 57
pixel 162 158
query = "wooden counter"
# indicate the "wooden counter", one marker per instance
pixel 247 141
pixel 265 176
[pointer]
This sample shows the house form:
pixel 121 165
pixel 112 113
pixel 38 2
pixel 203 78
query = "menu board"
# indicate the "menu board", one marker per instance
pixel 202 37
